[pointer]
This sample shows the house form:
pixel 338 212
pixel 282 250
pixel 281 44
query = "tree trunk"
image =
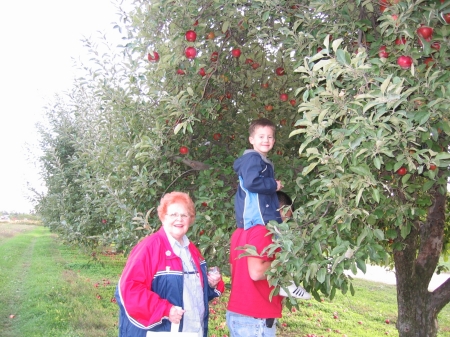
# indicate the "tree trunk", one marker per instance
pixel 414 265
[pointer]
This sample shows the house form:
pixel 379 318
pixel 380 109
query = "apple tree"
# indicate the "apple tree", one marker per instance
pixel 359 91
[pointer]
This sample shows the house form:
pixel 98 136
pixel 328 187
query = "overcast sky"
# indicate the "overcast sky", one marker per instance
pixel 39 40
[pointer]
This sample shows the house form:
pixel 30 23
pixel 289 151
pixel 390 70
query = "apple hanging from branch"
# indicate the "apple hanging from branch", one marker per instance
pixel 280 71
pixel 153 57
pixel 190 36
pixel 190 52
pixel 236 53
pixel 405 62
pixel 284 97
pixel 425 32
pixel 184 150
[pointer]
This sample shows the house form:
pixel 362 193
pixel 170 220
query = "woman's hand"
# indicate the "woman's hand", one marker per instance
pixel 214 277
pixel 175 314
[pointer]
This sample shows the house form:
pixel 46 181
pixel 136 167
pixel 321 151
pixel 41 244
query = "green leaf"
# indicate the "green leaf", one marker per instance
pixel 361 265
pixel 405 230
pixel 442 156
pixel 362 170
pixel 321 273
pixel 379 234
pixel 358 196
pixel 427 185
pixel 385 84
pixel 225 26
pixel 178 127
pixel 343 57
pixel 376 194
pixel 377 162
pixel 309 168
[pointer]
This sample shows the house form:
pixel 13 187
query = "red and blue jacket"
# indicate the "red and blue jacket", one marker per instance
pixel 152 282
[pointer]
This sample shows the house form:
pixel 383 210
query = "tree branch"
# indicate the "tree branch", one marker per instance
pixel 440 297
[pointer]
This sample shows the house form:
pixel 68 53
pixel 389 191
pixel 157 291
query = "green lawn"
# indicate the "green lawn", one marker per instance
pixel 55 290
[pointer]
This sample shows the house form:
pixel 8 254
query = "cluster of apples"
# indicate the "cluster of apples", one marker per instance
pixel 191 52
pixel 424 33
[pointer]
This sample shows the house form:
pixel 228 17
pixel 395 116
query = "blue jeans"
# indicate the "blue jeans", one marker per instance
pixel 246 326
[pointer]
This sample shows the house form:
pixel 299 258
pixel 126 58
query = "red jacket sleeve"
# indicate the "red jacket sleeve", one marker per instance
pixel 143 306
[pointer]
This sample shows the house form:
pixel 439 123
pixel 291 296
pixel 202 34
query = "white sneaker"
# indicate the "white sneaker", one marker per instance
pixel 296 292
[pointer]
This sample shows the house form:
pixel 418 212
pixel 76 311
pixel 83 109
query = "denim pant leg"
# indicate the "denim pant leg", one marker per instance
pixel 246 326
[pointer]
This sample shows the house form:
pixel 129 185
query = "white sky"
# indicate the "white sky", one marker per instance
pixel 39 40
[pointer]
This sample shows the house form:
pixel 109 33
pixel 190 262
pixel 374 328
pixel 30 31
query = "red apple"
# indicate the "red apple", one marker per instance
pixel 401 171
pixel 436 45
pixel 293 102
pixel 204 204
pixel 202 72
pixel 153 57
pixel 394 17
pixel 284 97
pixel 214 56
pixel 248 61
pixel 184 150
pixel 217 136
pixel 255 65
pixel 404 61
pixel 387 321
pixel 400 41
pixel 236 53
pixel 195 23
pixel 268 107
pixel 382 52
pixel 190 52
pixel 425 32
pixel 180 72
pixel 104 221
pixel 280 71
pixel 190 36
pixel 446 17
pixel 265 85
pixel 429 61
pixel 432 167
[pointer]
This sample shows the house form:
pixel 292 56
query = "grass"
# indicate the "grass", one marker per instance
pixel 55 290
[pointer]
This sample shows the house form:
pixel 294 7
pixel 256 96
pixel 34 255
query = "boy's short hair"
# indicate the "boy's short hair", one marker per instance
pixel 261 122
pixel 284 199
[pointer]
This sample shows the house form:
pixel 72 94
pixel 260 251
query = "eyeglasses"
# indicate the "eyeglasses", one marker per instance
pixel 176 215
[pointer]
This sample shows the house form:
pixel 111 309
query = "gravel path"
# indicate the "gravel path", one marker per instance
pixel 384 275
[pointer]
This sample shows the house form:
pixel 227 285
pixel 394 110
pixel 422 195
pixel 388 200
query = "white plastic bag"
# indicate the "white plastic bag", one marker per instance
pixel 173 333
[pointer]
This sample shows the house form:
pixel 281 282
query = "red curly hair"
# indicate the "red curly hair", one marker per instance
pixel 176 198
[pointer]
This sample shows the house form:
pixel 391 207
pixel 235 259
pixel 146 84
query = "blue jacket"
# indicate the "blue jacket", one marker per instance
pixel 256 201
pixel 152 282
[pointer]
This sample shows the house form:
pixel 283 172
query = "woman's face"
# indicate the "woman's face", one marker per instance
pixel 176 221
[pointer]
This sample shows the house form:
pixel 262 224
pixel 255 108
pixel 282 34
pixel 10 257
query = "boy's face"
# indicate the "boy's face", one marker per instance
pixel 262 139
pixel 286 213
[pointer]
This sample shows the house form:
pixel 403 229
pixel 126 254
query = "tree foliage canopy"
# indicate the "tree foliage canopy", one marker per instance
pixel 362 142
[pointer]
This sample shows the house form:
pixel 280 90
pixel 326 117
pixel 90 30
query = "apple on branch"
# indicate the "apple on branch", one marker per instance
pixel 236 53
pixel 153 57
pixel 405 62
pixel 190 52
pixel 184 150
pixel 191 36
